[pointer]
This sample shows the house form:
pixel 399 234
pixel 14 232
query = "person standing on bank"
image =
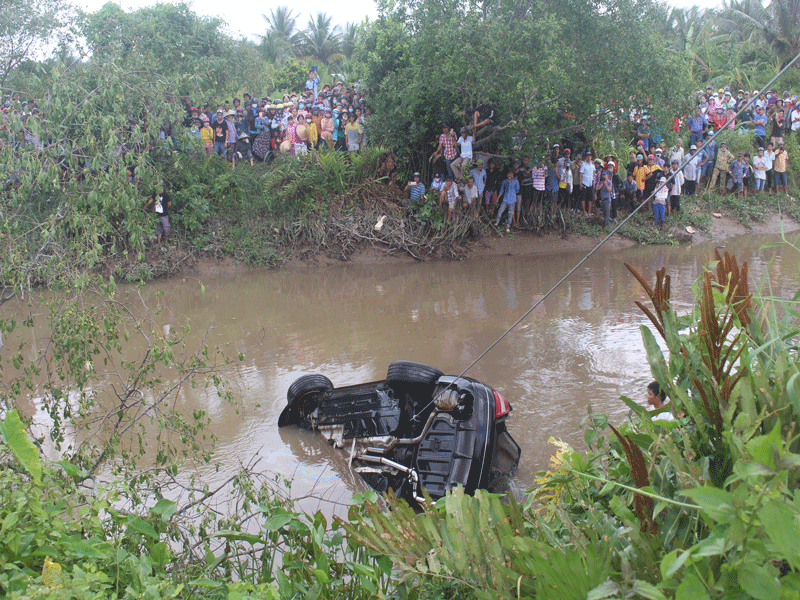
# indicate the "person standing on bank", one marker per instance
pixel 162 204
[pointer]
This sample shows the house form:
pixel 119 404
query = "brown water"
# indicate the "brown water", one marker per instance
pixel 582 346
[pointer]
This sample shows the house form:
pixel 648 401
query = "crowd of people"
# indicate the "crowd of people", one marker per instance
pixel 333 117
pixel 584 183
pixel 252 128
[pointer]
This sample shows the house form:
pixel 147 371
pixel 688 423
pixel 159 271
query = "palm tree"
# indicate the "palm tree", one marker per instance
pixel 776 25
pixel 281 38
pixel 349 38
pixel 320 40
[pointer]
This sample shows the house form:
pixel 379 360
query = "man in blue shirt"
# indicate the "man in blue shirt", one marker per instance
pixel 415 189
pixel 760 121
pixel 697 126
pixel 508 197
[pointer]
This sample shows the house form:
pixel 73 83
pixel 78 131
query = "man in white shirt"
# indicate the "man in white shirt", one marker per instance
pixel 465 158
pixel 586 184
pixel 760 169
pixel 471 196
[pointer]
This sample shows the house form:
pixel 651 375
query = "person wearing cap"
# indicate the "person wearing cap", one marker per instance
pixel 478 174
pixel 677 151
pixel 779 168
pixel 760 167
pixel 415 189
pixel 724 158
pixel 639 173
pixel 709 93
pixel 691 171
pixel 659 159
pixel 675 187
pixel 508 197
pixel 737 170
pixel 465 158
pixel 698 125
pixel 605 194
pixel 450 195
pixel 437 183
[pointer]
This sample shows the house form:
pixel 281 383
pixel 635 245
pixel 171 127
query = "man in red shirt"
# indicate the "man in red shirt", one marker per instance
pixel 447 146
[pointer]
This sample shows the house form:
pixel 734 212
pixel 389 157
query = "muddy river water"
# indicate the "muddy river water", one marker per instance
pixel 582 346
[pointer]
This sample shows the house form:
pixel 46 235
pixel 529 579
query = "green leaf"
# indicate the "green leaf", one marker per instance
pixel 139 525
pixel 647 590
pixel 278 521
pixel 16 438
pixel 165 508
pixel 780 524
pixel 756 581
pixel 604 590
pixel 716 503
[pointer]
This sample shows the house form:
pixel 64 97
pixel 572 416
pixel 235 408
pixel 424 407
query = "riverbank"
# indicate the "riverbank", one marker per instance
pixel 520 243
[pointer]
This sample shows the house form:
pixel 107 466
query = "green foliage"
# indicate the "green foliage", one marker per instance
pixel 291 76
pixel 536 79
pixel 16 438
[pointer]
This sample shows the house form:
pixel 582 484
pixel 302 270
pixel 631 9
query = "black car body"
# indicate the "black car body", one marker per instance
pixel 416 430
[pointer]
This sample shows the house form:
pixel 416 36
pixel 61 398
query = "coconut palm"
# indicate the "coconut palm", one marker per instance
pixel 349 39
pixel 776 24
pixel 321 40
pixel 281 38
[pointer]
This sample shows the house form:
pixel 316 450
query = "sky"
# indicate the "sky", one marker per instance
pixel 245 20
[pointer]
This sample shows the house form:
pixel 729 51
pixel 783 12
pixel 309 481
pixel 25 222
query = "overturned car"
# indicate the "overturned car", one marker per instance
pixel 416 430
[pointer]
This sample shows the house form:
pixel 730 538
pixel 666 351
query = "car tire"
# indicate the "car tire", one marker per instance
pixel 403 371
pixel 296 397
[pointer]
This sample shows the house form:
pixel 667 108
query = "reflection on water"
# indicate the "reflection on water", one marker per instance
pixel 582 346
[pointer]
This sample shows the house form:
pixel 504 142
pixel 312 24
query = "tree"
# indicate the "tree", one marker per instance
pixel 545 71
pixel 349 39
pixel 26 28
pixel 281 38
pixel 776 24
pixel 320 40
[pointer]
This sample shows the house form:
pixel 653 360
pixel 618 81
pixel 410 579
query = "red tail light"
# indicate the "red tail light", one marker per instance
pixel 501 406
